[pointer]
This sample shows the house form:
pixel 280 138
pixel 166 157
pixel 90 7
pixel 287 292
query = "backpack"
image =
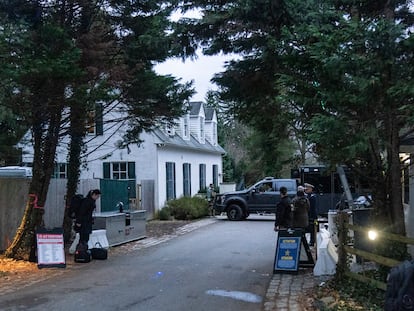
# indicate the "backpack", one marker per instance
pixel 75 205
pixel 399 295
pixel 300 202
pixel 82 253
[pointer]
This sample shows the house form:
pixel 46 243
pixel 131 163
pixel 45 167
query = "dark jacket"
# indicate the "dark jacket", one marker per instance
pixel 283 213
pixel 300 211
pixel 86 210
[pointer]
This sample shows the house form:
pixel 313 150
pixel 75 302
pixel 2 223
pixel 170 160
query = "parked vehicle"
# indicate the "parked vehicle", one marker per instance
pixel 16 172
pixel 261 198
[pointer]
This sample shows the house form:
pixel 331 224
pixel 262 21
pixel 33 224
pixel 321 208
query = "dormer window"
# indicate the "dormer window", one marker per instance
pixel 186 128
pixel 202 134
pixel 214 134
pixel 90 122
pixel 94 121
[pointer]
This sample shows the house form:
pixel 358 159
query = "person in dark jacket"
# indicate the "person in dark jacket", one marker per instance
pixel 313 212
pixel 283 211
pixel 85 218
pixel 300 209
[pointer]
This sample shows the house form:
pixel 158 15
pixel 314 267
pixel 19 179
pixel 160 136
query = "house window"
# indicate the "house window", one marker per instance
pixel 60 171
pixel 94 121
pixel 119 170
pixel 214 133
pixel 90 122
pixel 186 129
pixel 202 174
pixel 215 175
pixel 201 128
pixel 187 179
pixel 170 178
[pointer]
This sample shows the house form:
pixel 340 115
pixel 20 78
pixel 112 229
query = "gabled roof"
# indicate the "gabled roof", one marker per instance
pixel 195 108
pixel 177 141
pixel 209 113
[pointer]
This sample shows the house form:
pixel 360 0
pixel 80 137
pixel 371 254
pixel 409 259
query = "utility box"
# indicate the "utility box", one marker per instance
pixel 121 227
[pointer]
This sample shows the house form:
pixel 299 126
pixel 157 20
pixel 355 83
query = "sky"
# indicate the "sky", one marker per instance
pixel 200 70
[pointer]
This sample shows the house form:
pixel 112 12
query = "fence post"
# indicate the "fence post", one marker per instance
pixel 342 226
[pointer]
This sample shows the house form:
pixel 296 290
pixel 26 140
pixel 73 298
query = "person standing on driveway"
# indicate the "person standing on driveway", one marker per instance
pixel 210 198
pixel 313 212
pixel 283 211
pixel 300 209
pixel 85 218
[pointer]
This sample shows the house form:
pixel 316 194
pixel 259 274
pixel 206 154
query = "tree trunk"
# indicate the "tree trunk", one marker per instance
pixel 77 117
pixel 395 186
pixel 77 133
pixel 45 134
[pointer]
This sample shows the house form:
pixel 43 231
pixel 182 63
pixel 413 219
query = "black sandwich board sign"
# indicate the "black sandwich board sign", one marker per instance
pixel 50 248
pixel 288 250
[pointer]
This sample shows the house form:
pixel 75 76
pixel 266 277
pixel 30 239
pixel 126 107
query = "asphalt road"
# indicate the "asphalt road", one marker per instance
pixel 223 266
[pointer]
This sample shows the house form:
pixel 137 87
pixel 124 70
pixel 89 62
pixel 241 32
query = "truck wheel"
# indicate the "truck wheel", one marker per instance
pixel 244 217
pixel 234 212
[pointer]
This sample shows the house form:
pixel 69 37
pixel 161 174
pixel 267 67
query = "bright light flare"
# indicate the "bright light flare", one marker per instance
pixel 372 235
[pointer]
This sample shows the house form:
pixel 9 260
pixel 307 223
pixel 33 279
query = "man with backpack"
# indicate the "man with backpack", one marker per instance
pixel 84 219
pixel 300 208
pixel 283 211
pixel 82 210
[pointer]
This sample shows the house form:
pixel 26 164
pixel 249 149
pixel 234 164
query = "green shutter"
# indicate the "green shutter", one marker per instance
pixel 132 192
pixel 106 170
pixel 131 170
pixel 98 119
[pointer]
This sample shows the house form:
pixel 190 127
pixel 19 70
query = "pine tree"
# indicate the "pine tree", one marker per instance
pixel 61 59
pixel 339 73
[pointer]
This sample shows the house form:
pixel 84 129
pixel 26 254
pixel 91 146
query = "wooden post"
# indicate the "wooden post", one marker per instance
pixel 342 226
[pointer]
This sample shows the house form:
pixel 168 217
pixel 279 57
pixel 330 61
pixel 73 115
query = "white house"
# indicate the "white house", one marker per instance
pixel 170 162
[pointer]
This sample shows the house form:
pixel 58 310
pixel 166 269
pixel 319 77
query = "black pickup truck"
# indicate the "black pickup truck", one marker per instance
pixel 261 198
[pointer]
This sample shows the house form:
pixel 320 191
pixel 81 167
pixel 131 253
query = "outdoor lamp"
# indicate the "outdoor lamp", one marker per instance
pixel 372 235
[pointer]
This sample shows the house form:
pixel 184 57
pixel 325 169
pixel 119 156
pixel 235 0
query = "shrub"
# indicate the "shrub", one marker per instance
pixel 164 214
pixel 187 208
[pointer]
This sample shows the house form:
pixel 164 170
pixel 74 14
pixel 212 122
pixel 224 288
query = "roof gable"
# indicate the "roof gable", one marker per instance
pixel 197 109
pixel 210 114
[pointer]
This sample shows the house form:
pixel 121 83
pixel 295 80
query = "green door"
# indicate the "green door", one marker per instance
pixel 113 192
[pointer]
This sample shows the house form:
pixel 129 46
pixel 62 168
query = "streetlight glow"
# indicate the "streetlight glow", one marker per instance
pixel 372 235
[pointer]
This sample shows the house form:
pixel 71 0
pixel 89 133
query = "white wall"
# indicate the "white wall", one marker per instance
pixel 180 156
pixel 149 157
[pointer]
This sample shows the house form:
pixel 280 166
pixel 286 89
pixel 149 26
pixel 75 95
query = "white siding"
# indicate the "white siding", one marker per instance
pixel 149 157
pixel 211 130
pixel 195 125
pixel 180 156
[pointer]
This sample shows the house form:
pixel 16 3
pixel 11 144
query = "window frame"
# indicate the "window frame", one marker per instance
pixel 202 169
pixel 170 179
pixel 187 179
